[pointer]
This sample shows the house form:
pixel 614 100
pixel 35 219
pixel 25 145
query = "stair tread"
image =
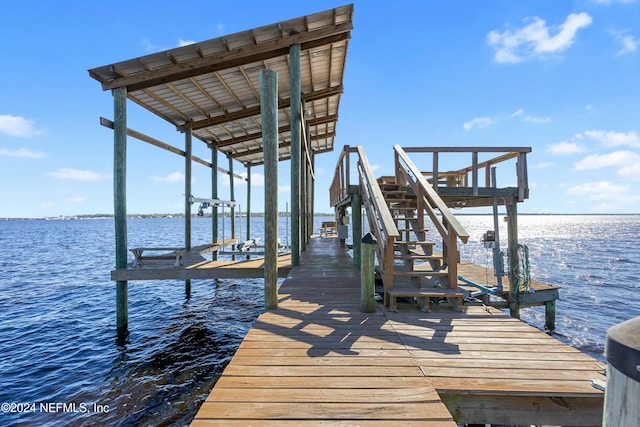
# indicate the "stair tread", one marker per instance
pixel 425 292
pixel 413 242
pixel 417 273
pixel 434 257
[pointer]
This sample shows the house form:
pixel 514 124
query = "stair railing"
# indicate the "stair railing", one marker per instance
pixel 428 199
pixel 381 222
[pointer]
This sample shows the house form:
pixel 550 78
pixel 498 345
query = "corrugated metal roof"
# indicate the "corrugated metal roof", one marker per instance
pixel 213 86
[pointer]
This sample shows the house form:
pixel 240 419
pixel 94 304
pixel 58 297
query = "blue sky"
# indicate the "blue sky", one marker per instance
pixel 559 76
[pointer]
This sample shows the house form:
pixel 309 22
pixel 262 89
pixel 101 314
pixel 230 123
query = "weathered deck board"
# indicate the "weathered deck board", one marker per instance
pixel 196 267
pixel 317 360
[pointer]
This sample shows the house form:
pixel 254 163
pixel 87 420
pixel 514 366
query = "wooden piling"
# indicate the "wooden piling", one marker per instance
pixel 214 196
pixel 514 258
pixel 269 119
pixel 232 196
pixel 367 274
pixel 120 203
pixel 622 395
pixel 356 218
pixel 295 96
pixel 188 152
pixel 248 202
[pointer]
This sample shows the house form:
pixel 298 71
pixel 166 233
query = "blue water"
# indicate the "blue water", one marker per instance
pixel 57 305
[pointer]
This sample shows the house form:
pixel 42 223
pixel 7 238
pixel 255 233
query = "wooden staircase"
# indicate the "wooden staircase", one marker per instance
pixel 417 272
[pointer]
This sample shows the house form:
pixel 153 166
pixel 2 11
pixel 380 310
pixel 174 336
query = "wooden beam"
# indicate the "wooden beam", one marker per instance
pixel 282 144
pixel 229 59
pixel 255 110
pixel 281 129
pixel 149 140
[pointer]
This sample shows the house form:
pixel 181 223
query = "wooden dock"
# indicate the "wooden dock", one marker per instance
pixel 197 267
pixel 318 360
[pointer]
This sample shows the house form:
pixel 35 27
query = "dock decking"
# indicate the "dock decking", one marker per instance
pixel 195 266
pixel 318 360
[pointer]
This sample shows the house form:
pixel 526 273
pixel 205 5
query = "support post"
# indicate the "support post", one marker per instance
pixel 312 189
pixel 356 218
pixel 303 199
pixel 367 274
pixel 232 196
pixel 269 119
pixel 550 315
pixel 214 195
pixel 120 203
pixel 514 259
pixel 295 96
pixel 622 395
pixel 187 193
pixel 248 202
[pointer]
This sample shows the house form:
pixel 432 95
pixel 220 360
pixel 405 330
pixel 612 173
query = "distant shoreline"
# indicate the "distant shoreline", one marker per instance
pixel 282 214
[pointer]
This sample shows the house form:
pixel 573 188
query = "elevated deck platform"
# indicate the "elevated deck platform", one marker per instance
pixel 317 360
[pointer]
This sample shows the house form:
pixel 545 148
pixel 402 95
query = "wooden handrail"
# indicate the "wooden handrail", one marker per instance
pixel 433 199
pixel 381 221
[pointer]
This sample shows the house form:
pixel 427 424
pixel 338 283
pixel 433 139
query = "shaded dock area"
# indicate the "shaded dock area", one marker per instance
pixel 318 360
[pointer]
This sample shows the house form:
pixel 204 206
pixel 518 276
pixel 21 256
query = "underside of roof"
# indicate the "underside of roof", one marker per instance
pixel 214 86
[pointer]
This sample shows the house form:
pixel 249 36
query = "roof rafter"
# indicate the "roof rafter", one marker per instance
pixel 229 59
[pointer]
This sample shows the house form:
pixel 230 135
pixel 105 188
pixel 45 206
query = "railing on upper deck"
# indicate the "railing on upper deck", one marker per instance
pixel 468 176
pixel 430 202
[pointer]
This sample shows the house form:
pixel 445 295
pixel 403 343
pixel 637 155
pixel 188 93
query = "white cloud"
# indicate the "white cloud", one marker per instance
pixel 589 107
pixel 599 161
pixel 601 190
pixel 533 119
pixel 534 39
pixel 172 177
pixel 375 168
pixel 80 175
pixel 257 179
pixel 220 27
pixel 22 152
pixel 628 43
pixel 185 42
pixel 630 172
pixel 78 199
pixel 17 126
pixel 614 139
pixel 481 122
pixel 564 148
pixel 485 121
pixel 284 189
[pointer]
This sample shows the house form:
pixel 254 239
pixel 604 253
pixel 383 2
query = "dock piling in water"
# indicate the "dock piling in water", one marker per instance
pixel 269 118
